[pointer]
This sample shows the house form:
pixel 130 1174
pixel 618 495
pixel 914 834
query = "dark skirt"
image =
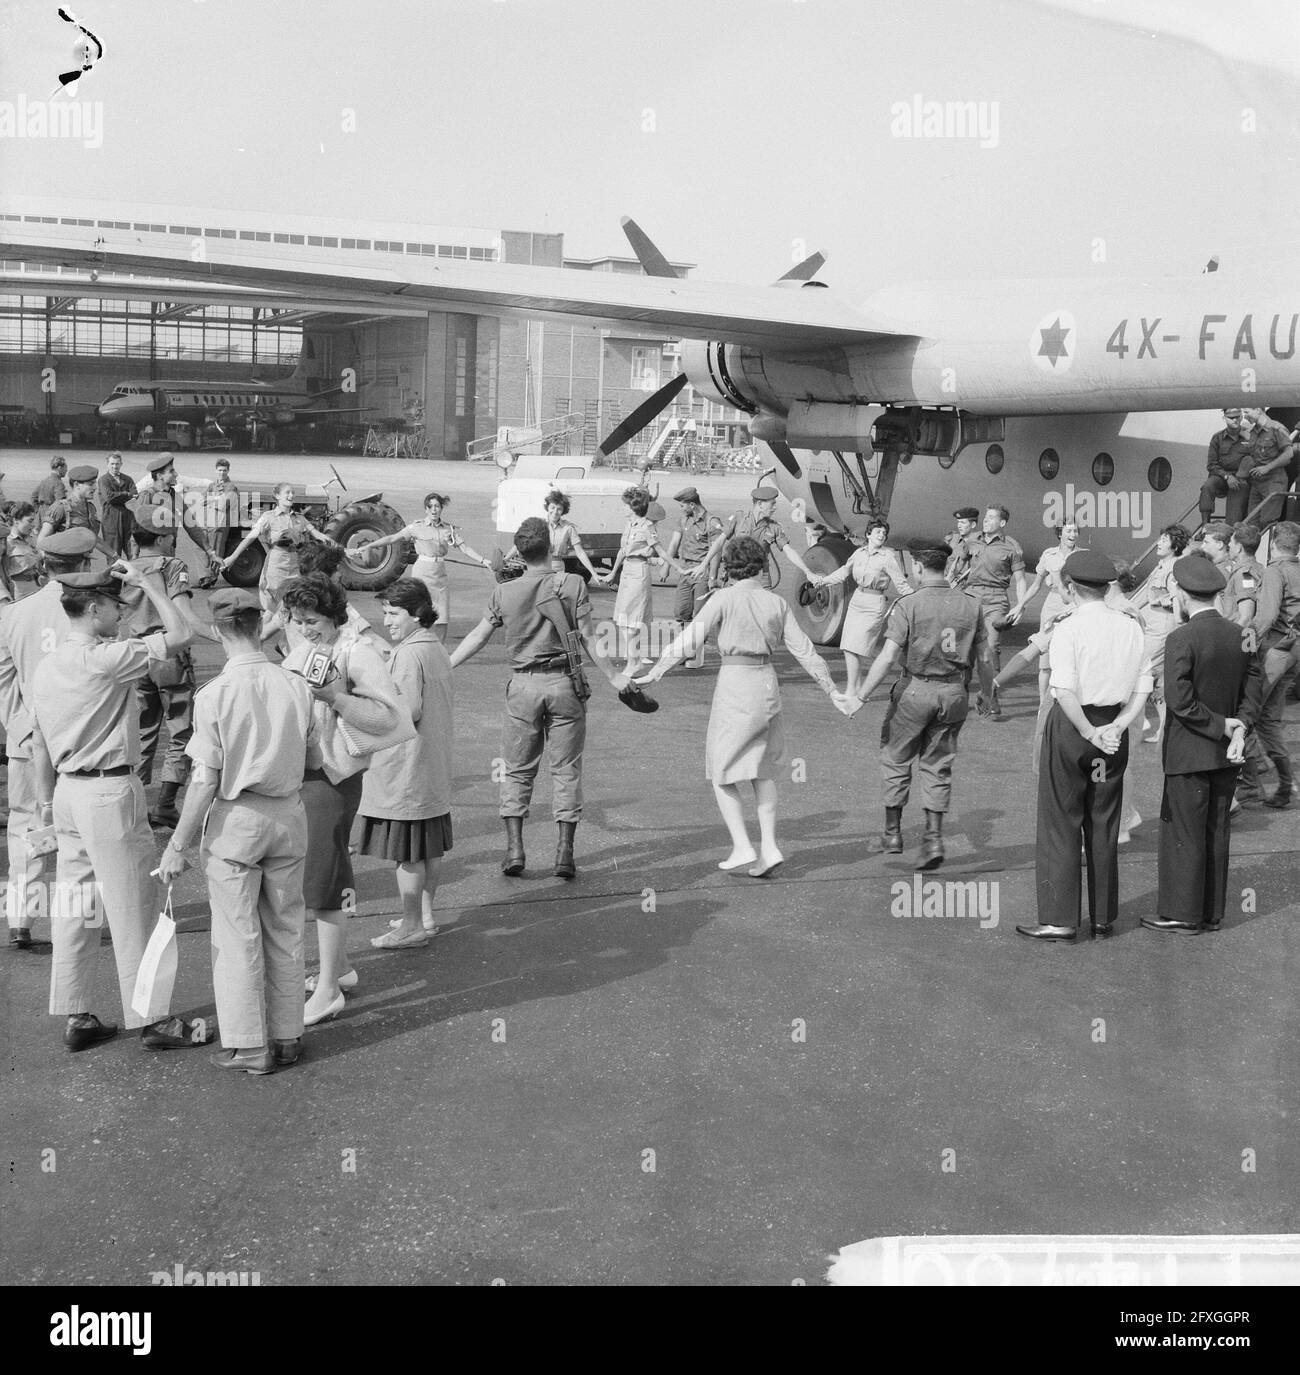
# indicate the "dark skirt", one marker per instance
pixel 405 842
pixel 331 807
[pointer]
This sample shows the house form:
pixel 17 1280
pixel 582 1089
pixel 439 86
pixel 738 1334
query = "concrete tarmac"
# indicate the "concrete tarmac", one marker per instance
pixel 660 1073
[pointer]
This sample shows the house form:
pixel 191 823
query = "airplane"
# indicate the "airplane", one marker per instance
pixel 1091 399
pixel 208 402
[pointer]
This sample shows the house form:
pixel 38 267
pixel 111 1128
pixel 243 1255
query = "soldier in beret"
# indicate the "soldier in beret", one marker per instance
pixel 51 489
pixel 691 542
pixel 757 523
pixel 1212 696
pixel 161 489
pixel 77 509
pixel 87 733
pixel 1101 679
pixel 968 523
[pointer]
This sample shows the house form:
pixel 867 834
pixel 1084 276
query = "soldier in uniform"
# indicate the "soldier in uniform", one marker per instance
pixel 163 491
pixel 543 708
pixel 1266 468
pixel 757 523
pixel 1277 630
pixel 51 489
pixel 1101 679
pixel 1229 449
pixel 87 732
pixel 1212 694
pixel 691 542
pixel 29 630
pixel 968 522
pixel 994 560
pixel 166 691
pixel 253 732
pixel 116 491
pixel 223 509
pixel 22 558
pixel 78 508
pixel 934 633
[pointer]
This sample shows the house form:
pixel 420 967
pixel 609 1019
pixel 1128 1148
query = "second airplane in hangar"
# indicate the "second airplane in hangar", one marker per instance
pixel 1086 399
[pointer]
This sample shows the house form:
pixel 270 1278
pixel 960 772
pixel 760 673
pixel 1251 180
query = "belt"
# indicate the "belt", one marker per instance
pixel 939 677
pixel 561 667
pixel 755 660
pixel 120 772
pixel 636 558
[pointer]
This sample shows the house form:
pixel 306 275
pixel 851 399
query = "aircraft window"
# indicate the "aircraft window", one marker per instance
pixel 1160 474
pixel 1049 464
pixel 994 458
pixel 1103 469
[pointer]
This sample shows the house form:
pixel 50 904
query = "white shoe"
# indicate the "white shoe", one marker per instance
pixel 349 980
pixel 333 1010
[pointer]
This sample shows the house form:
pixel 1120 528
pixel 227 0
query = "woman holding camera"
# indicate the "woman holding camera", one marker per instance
pixel 350 684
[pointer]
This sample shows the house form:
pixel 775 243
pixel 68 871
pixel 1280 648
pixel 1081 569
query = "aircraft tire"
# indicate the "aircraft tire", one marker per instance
pixel 358 523
pixel 823 618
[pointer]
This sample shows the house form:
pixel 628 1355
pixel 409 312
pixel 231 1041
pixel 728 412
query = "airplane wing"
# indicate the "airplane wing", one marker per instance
pixel 767 317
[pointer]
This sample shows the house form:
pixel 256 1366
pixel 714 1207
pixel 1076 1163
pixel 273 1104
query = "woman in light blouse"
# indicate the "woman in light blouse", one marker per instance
pixel 332 793
pixel 1158 616
pixel 634 605
pixel 876 570
pixel 566 542
pixel 745 738
pixel 434 540
pixel 283 532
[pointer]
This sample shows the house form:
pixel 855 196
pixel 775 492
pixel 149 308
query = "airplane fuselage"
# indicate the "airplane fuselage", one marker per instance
pixel 198 402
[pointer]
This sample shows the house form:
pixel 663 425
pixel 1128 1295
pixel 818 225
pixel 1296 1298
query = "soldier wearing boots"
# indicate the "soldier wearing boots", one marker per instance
pixel 935 634
pixel 544 706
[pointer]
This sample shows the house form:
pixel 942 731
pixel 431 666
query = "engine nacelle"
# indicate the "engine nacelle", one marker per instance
pixel 705 363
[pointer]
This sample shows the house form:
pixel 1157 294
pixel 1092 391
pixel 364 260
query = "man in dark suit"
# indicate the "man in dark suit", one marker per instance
pixel 1212 687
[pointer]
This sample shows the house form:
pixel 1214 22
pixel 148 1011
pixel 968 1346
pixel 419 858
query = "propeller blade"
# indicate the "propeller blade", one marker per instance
pixel 653 263
pixel 643 415
pixel 802 272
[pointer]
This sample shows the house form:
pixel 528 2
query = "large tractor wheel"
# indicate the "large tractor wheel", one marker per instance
pixel 360 523
pixel 821 610
pixel 247 568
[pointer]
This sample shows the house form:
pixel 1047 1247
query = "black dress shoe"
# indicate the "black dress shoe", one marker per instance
pixel 286 1052
pixel 1048 933
pixel 1188 928
pixel 256 1061
pixel 164 818
pixel 21 938
pixel 1101 933
pixel 175 1033
pixel 87 1031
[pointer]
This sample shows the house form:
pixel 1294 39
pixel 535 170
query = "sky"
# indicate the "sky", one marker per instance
pixel 1135 139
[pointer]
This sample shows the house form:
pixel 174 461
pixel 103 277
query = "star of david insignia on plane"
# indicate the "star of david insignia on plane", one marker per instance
pixel 1053 342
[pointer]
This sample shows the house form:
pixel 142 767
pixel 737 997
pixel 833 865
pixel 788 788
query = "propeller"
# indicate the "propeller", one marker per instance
pixel 643 415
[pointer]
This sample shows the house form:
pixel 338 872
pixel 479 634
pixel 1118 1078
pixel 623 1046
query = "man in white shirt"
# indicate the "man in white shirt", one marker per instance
pixel 1101 678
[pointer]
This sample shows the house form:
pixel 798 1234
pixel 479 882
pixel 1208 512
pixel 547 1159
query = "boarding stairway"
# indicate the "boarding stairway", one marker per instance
pixel 554 436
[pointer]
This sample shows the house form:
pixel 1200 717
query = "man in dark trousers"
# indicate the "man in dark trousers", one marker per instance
pixel 935 633
pixel 1101 678
pixel 543 708
pixel 1212 688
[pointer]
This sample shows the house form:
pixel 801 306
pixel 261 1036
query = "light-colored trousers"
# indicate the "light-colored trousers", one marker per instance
pixel 543 710
pixel 253 855
pixel 106 852
pixel 26 892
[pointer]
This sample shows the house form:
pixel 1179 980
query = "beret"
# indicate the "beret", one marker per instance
pixel 1090 567
pixel 966 513
pixel 99 580
pixel 229 601
pixel 656 512
pixel 687 494
pixel 156 465
pixel 1198 575
pixel 84 474
pixel 764 494
pixel 71 543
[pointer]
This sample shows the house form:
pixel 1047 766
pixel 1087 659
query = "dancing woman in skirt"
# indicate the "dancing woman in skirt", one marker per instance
pixel 634 604
pixel 745 738
pixel 283 533
pixel 875 570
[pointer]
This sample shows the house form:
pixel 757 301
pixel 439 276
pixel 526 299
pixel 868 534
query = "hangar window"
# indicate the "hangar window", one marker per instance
pixel 177 229
pixel 212 233
pixel 414 248
pixel 295 238
pixel 479 255
pixel 157 228
pixel 645 369
pixel 245 233
pixel 314 240
pixel 1103 469
pixel 348 243
pixel 282 238
pixel 227 233
pixel 363 243
pixel 994 458
pixel 1049 464
pixel 445 250
pixel 263 238
pixel 192 230
pixel 145 227
pixel 66 221
pixel 331 243
pixel 1160 474
pixel 462 365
